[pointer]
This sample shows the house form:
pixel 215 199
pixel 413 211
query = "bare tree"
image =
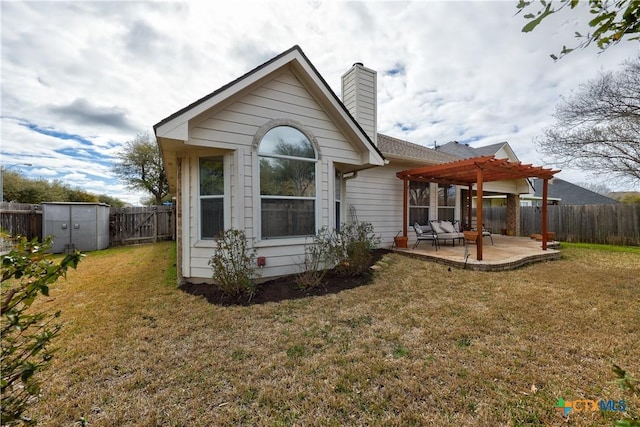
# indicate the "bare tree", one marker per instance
pixel 596 187
pixel 598 127
pixel 139 166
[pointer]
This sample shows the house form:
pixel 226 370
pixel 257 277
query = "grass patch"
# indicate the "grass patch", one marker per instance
pixel 600 247
pixel 420 345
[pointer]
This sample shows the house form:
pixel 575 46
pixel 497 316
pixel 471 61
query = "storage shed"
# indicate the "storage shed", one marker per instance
pixel 81 226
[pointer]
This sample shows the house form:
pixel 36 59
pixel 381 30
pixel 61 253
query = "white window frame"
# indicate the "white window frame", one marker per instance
pixel 284 240
pixel 226 164
pixel 448 207
pixel 428 207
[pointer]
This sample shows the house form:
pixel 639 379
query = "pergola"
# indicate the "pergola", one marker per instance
pixel 477 170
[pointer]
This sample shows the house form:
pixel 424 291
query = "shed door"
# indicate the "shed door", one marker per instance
pixel 83 227
pixel 58 224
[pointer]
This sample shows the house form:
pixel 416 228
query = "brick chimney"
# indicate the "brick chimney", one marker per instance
pixel 359 95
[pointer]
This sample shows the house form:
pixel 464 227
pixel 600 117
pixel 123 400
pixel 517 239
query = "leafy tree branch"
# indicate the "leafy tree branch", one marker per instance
pixel 611 22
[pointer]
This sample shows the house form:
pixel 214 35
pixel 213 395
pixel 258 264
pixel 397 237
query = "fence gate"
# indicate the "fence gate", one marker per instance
pixel 135 225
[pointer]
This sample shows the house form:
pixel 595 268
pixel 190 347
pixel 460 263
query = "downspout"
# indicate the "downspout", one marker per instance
pixel 354 175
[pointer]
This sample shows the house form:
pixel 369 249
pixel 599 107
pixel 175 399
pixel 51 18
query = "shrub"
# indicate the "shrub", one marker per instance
pixel 631 385
pixel 353 248
pixel 319 256
pixel 26 337
pixel 234 265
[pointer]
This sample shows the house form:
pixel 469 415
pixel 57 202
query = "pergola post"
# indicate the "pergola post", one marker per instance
pixel 470 206
pixel 479 191
pixel 545 189
pixel 405 203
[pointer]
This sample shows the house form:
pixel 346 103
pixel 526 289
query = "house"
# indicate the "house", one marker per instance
pixel 277 154
pixel 570 194
pixel 501 150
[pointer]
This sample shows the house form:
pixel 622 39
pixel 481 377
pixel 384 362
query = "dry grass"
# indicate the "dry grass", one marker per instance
pixel 419 346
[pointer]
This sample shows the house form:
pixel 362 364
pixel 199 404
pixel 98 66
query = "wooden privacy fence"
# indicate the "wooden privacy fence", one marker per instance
pixel 617 224
pixel 127 226
pixel 21 218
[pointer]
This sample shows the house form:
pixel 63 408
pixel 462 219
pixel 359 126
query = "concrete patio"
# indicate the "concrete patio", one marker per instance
pixel 506 253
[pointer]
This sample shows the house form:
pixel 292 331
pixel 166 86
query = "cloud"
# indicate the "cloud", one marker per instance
pixel 142 39
pixel 82 112
pixel 81 78
pixel 43 172
pixel 54 133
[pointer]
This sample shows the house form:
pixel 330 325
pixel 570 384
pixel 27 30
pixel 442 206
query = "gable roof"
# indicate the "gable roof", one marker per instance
pixel 456 149
pixel 571 194
pixel 394 147
pixel 466 152
pixel 175 126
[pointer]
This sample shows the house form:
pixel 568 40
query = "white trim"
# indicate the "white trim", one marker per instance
pixel 433 199
pixel 185 206
pixel 236 200
pixel 332 220
pixel 274 123
pixel 283 241
pixel 226 197
pixel 257 197
pixel 458 206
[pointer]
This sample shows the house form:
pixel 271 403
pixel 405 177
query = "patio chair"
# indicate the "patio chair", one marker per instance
pixel 445 230
pixel 485 231
pixel 424 233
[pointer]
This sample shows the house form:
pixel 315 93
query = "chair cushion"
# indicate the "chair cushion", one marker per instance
pixel 436 228
pixel 447 227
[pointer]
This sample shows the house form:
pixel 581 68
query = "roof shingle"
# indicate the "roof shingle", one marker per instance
pixel 391 146
pixel 464 151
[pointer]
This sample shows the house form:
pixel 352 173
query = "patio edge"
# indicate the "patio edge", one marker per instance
pixel 550 255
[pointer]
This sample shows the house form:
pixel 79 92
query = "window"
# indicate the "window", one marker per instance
pixel 419 196
pixel 446 202
pixel 287 183
pixel 211 197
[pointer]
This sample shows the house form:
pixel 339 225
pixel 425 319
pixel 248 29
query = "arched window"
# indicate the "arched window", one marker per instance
pixel 287 183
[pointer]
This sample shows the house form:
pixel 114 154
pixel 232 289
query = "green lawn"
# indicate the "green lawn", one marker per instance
pixel 420 345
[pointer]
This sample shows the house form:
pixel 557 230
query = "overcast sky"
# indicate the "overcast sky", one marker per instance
pixel 81 78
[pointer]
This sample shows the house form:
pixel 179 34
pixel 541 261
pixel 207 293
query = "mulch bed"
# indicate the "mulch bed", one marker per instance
pixel 285 288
